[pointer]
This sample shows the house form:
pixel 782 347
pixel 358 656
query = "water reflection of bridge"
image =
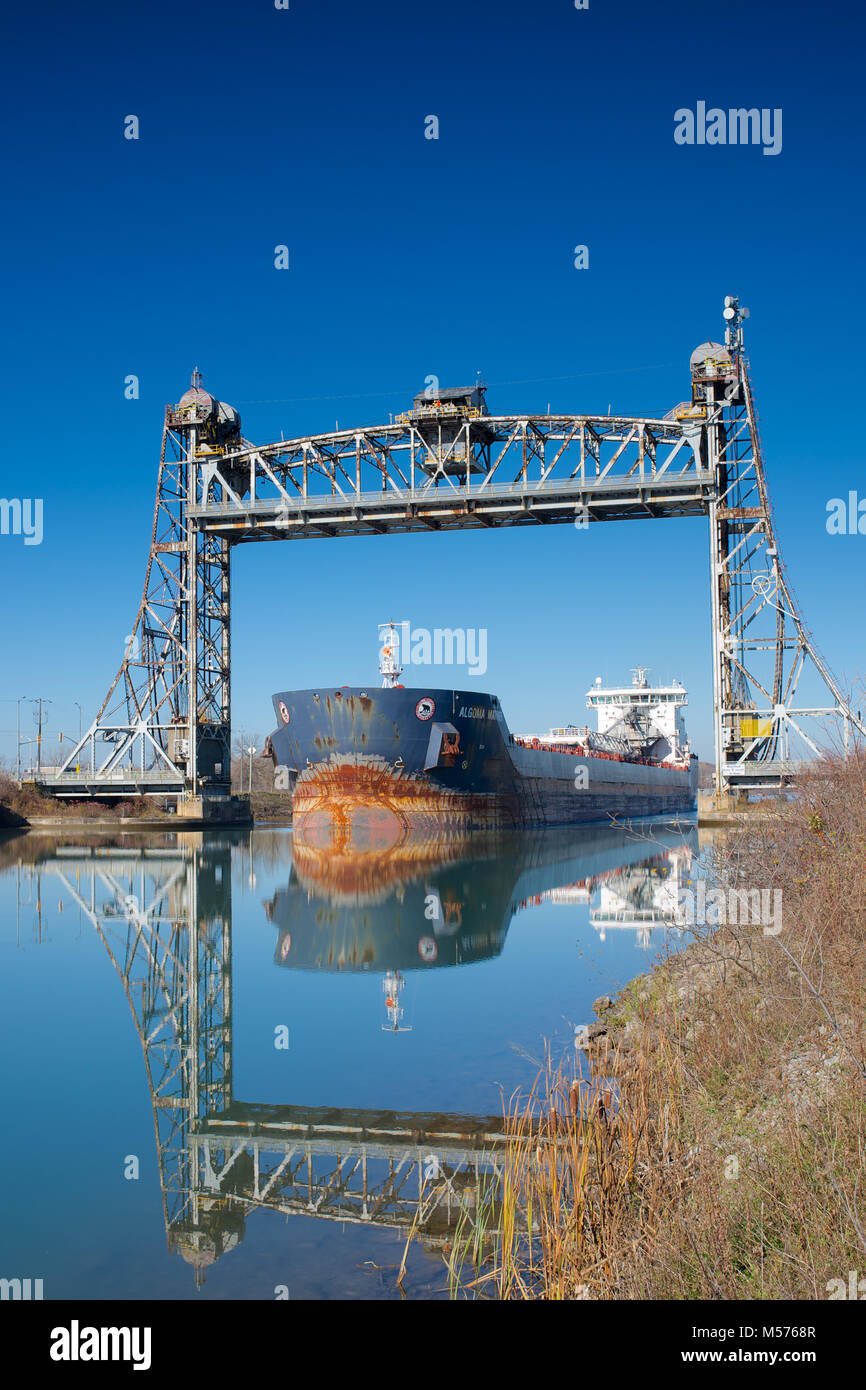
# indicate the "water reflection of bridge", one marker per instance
pixel 164 915
pixel 395 1169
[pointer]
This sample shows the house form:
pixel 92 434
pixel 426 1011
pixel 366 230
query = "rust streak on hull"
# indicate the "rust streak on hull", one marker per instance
pixel 366 805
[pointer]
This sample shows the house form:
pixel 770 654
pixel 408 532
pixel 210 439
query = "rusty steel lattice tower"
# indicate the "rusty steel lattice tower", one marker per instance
pixel 449 464
pixel 165 724
pixel 760 644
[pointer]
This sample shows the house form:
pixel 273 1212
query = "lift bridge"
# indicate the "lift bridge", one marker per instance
pixel 448 464
pixel 164 915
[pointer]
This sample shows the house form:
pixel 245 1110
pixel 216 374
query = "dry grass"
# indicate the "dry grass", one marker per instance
pixel 725 1160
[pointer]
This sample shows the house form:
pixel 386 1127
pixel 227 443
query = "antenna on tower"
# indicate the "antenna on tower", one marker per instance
pixel 734 318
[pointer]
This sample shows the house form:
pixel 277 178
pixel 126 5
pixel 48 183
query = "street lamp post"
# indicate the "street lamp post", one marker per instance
pixel 22 699
pixel 251 750
pixel 38 700
pixel 18 743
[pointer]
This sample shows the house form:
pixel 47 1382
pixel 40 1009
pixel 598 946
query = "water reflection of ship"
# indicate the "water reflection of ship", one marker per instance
pixel 453 911
pixel 644 896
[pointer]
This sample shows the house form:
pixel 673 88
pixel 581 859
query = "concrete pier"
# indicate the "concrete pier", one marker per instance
pixel 211 810
pixel 715 808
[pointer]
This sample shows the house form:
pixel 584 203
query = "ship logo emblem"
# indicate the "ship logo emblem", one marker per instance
pixel 284 713
pixel 425 708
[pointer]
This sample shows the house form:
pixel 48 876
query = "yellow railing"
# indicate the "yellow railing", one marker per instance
pixel 471 412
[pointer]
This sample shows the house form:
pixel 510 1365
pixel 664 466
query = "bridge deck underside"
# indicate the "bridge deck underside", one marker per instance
pixel 418 1172
pixel 81 788
pixel 242 1120
pixel 763 776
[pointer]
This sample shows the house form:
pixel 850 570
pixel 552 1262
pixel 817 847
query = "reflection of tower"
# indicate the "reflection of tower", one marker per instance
pixel 144 905
pixel 393 985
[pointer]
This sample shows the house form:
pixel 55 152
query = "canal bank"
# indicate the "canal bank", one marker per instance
pixel 716 1149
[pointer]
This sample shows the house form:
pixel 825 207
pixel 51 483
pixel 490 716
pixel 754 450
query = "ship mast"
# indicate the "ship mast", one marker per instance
pixel 389 668
pixel 392 984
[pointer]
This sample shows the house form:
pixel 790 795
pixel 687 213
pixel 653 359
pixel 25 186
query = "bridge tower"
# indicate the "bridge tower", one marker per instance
pixel 165 724
pixel 760 644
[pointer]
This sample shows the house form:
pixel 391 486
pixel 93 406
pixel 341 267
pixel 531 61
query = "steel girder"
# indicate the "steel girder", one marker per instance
pixel 427 1189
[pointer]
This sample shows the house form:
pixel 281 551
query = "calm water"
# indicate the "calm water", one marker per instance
pixel 231 1070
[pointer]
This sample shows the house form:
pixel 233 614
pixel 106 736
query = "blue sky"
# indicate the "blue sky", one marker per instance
pixel 409 257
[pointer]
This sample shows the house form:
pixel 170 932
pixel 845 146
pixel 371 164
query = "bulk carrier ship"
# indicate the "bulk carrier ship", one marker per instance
pixel 373 768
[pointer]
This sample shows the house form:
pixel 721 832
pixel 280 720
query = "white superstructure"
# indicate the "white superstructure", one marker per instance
pixel 639 720
pixel 656 711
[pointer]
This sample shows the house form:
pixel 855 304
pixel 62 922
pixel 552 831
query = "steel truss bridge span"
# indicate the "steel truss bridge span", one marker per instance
pixel 520 469
pixel 165 725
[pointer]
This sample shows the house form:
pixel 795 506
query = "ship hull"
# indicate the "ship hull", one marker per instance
pixel 371 768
